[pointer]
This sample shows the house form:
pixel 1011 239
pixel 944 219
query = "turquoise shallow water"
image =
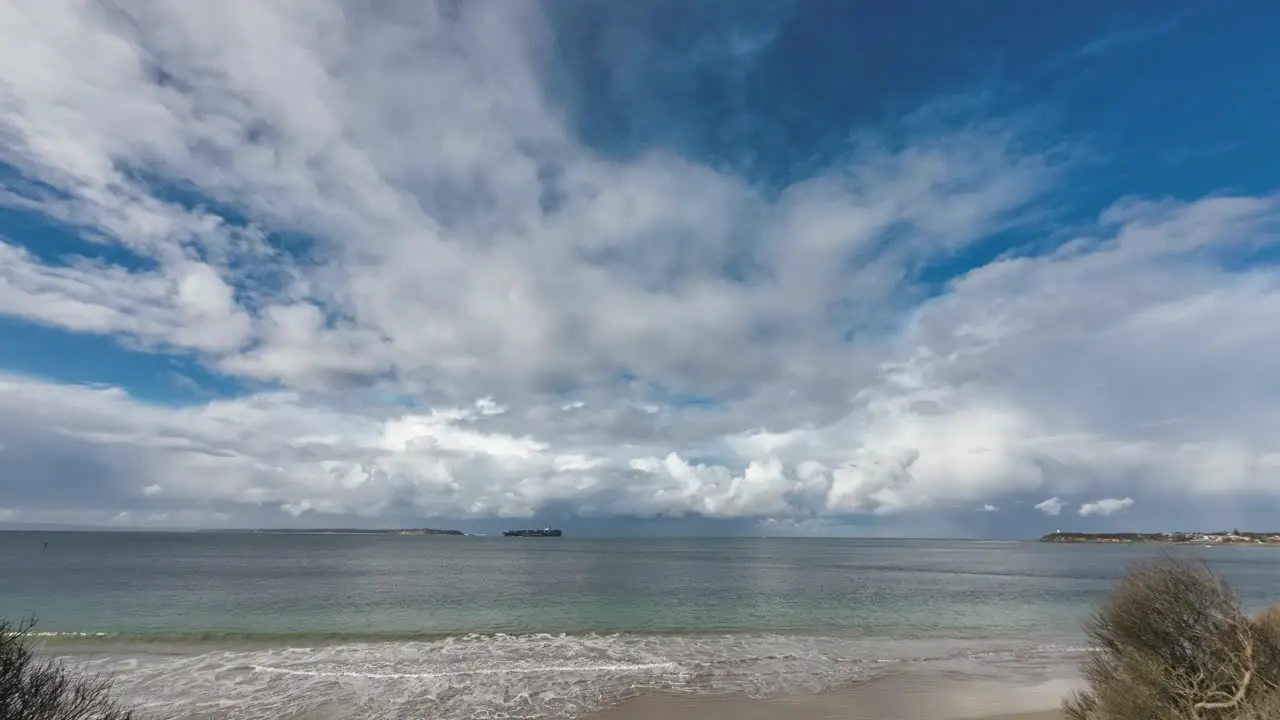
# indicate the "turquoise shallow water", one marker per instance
pixel 258 625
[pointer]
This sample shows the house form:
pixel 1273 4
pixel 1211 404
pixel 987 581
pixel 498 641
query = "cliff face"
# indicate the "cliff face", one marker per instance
pixel 1234 537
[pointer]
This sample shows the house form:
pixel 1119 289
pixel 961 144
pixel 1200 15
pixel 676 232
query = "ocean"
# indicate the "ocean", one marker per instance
pixel 270 626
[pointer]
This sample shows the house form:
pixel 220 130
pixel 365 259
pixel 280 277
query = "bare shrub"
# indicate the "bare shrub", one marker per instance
pixel 1267 623
pixel 1173 643
pixel 1266 632
pixel 32 688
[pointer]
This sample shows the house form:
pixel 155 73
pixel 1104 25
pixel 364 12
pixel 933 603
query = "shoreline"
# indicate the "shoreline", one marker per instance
pixel 1209 539
pixel 613 678
pixel 948 691
pixel 835 707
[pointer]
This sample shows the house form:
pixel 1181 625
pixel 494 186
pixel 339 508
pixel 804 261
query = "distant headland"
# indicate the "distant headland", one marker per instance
pixel 1224 537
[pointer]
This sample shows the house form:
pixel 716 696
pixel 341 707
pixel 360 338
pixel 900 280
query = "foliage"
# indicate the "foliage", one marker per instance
pixel 1173 643
pixel 34 688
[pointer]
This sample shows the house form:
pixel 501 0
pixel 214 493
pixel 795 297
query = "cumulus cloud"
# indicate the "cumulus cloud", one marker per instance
pixel 1105 507
pixel 1052 506
pixel 386 216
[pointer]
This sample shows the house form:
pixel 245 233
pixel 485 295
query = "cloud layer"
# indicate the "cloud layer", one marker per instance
pixel 442 301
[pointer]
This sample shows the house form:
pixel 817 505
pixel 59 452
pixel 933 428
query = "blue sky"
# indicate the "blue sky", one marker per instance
pixel 676 267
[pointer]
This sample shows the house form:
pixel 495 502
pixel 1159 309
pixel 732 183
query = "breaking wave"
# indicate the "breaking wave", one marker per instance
pixel 499 677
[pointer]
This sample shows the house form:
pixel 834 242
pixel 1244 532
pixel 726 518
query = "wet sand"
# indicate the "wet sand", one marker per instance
pixel 940 693
pixel 829 707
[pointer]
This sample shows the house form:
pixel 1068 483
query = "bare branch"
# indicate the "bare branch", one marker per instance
pixel 32 688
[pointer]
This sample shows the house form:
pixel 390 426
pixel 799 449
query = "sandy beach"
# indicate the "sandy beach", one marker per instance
pixel 836 706
pixel 938 693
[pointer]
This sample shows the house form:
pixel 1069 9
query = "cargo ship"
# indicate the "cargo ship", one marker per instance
pixel 546 532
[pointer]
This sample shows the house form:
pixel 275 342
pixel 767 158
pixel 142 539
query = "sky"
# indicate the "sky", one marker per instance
pixel 983 269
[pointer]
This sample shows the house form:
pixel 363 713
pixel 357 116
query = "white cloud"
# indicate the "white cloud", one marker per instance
pixel 428 204
pixel 988 507
pixel 189 306
pixel 538 303
pixel 1052 506
pixel 1106 506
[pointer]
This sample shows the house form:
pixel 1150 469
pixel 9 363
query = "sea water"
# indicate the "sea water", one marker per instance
pixel 208 625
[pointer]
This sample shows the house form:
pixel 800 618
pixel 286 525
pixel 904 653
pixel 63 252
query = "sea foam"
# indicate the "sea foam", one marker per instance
pixel 491 677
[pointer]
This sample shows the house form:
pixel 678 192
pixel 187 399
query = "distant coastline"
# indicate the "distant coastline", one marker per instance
pixel 343 531
pixel 1233 537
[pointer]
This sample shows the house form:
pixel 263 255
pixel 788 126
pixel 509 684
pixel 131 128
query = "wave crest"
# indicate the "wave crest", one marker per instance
pixel 485 677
